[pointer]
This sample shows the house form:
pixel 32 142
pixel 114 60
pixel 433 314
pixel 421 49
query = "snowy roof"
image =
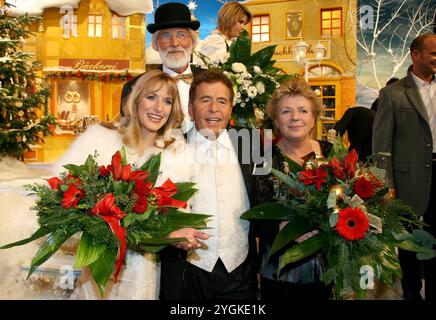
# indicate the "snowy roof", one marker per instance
pixel 121 7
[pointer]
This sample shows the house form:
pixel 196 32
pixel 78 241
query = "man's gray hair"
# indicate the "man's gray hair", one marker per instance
pixel 155 35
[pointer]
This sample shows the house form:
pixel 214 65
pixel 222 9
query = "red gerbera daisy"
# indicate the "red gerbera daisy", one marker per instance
pixel 363 188
pixel 352 224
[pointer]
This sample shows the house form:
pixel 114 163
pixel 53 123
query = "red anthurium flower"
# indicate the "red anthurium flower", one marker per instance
pixel 142 188
pixel 337 169
pixel 352 224
pixel 119 171
pixel 139 175
pixel 126 172
pixel 164 193
pixel 73 179
pixel 104 171
pixel 311 176
pixel 54 182
pixel 108 210
pixel 170 202
pixel 116 165
pixel 72 196
pixel 141 205
pixel 363 188
pixel 167 189
pixel 350 163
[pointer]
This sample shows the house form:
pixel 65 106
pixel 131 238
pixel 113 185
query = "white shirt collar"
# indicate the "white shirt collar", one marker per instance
pixel 421 83
pixel 202 142
pixel 172 73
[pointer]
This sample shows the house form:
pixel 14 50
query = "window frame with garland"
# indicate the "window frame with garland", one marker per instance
pixel 93 26
pixel 331 28
pixel 254 34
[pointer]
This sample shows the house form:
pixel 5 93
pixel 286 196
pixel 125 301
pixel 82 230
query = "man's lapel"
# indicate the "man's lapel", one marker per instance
pixel 412 93
pixel 246 168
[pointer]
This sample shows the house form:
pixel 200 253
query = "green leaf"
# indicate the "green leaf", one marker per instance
pixel 38 234
pixel 334 217
pixel 410 245
pixel 89 163
pixel 87 253
pixel 48 248
pixel 178 219
pixel 338 149
pixel 64 187
pixel 152 167
pixel 262 58
pixel 240 50
pixel 103 267
pixel 379 173
pixel 268 210
pixel 132 217
pixel 423 238
pixel 301 250
pixel 289 181
pixel 123 156
pixel 73 169
pixel 185 190
pixel 152 248
pixel 390 262
pixel 121 187
pixel 426 256
pixel 288 234
pixel 331 203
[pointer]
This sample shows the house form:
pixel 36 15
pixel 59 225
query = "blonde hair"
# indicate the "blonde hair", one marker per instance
pixel 229 14
pixel 293 87
pixel 130 128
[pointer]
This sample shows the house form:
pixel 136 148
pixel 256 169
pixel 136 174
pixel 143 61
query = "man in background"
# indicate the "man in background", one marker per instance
pixel 174 37
pixel 405 128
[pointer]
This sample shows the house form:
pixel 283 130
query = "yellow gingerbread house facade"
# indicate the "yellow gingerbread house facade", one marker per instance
pixel 87 52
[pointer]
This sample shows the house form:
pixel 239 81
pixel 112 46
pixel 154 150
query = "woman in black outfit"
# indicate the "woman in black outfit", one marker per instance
pixel 294 109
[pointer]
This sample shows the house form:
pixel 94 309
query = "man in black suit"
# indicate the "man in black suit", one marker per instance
pixel 224 265
pixel 173 36
pixel 357 121
pixel 405 132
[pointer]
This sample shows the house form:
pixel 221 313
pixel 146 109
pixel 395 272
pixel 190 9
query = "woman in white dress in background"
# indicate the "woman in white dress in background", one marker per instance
pixel 232 19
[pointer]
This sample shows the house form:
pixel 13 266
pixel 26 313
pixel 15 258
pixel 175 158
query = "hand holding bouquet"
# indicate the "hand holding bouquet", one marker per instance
pixel 113 207
pixel 358 226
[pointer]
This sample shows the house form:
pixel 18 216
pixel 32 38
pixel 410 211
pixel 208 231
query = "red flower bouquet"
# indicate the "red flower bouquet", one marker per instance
pixel 359 226
pixel 114 207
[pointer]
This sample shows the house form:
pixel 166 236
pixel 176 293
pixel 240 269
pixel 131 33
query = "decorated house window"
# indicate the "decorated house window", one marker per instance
pixel 260 30
pixel 331 22
pixel 69 25
pixel 95 25
pixel 118 27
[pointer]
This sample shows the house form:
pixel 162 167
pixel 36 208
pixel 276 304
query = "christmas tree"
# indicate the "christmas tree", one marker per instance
pixel 22 122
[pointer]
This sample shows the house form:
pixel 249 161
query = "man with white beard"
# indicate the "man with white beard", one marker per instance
pixel 173 36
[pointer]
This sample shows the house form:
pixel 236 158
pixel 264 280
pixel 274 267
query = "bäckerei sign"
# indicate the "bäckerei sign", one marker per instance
pixel 94 64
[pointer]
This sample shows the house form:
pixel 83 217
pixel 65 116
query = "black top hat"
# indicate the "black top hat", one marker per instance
pixel 172 15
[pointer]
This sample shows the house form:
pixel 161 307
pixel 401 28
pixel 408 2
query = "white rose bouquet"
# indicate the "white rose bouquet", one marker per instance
pixel 254 80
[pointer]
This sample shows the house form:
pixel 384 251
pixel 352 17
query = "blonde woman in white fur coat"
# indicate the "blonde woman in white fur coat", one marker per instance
pixel 152 120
